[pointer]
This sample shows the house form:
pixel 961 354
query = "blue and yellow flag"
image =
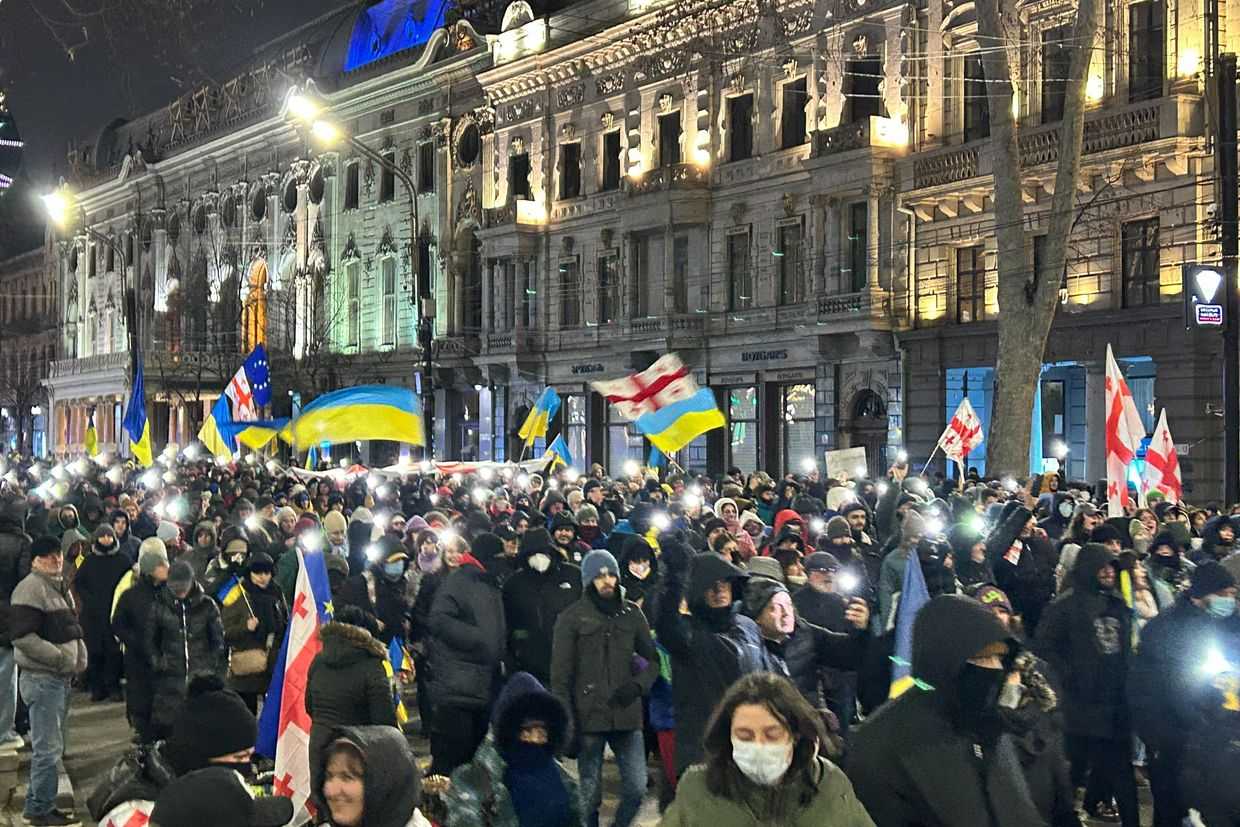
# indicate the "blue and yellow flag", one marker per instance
pixel 399 660
pixel 214 432
pixel 558 451
pixel 674 426
pixel 353 414
pixel 913 595
pixel 92 436
pixel 229 591
pixel 135 423
pixel 657 458
pixel 258 434
pixel 540 416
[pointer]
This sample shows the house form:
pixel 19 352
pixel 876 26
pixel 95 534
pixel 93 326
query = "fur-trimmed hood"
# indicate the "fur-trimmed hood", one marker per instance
pixel 345 644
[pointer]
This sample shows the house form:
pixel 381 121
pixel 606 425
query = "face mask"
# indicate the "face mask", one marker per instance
pixel 1169 561
pixel 1065 509
pixel 796 579
pixel 393 571
pixel 640 570
pixel 1219 606
pixel 977 691
pixel 540 562
pixel 762 764
pixel 588 532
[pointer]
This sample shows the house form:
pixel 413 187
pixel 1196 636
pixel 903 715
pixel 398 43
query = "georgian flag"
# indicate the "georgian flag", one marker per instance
pixel 661 384
pixel 1124 432
pixel 1162 465
pixel 238 391
pixel 963 433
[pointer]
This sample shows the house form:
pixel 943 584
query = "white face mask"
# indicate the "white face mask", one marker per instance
pixel 762 764
pixel 540 562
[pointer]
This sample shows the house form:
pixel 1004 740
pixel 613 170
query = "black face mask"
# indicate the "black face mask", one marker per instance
pixel 243 767
pixel 1168 562
pixel 977 696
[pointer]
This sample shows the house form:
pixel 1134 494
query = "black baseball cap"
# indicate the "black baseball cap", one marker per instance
pixel 217 797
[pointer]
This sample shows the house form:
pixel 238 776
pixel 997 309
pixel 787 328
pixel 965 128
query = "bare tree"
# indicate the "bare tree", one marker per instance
pixel 1027 300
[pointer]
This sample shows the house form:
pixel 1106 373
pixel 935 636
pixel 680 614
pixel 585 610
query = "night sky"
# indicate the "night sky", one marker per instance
pixel 135 56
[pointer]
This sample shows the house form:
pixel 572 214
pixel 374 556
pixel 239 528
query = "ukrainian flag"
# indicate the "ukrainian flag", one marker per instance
pixel 398 661
pixel 913 595
pixel 258 434
pixel 135 423
pixel 214 432
pixel 674 426
pixel 540 416
pixel 558 451
pixel 353 414
pixel 92 436
pixel 229 591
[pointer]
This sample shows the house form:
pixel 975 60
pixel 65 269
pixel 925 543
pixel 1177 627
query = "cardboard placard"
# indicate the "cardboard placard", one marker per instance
pixel 843 464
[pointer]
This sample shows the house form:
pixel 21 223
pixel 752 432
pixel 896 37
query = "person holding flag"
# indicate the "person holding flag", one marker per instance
pixel 1162 464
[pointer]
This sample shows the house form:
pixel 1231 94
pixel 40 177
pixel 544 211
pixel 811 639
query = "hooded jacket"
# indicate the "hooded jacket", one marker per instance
pixel 1024 567
pixel 645 593
pixel 201 556
pixel 95 584
pixel 709 648
pixel 467 638
pixel 532 602
pixel 392 782
pixel 911 763
pixel 1086 638
pixel 14 558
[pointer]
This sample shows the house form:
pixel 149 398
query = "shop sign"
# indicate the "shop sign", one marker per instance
pixel 595 367
pixel 763 355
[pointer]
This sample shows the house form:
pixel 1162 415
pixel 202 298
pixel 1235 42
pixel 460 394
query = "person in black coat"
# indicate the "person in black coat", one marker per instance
pixel 467 636
pixel 382 589
pixel 640 575
pixel 1086 638
pixel 544 585
pixel 133 610
pixel 1172 689
pixel 1023 562
pixel 255 619
pixel 95 583
pixel 937 755
pixel 710 647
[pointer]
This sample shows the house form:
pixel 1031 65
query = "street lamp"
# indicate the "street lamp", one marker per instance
pixel 305 107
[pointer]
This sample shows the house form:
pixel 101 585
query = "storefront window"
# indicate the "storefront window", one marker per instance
pixel 467 427
pixel 499 423
pixel 743 427
pixel 623 443
pixel 797 405
pixel 575 428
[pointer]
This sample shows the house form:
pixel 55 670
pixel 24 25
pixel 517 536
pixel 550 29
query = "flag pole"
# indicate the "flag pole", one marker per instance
pixel 929 460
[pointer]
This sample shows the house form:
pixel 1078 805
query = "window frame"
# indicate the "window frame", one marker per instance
pixel 565 176
pixel 790 265
pixel 352 184
pixel 793 118
pixel 974 108
pixel 1147 65
pixel 976 276
pixel 736 300
pixel 569 276
pixel 733 102
pixel 666 146
pixel 1141 226
pixel 426 166
pixel 387 177
pixel 610 161
pixel 389 311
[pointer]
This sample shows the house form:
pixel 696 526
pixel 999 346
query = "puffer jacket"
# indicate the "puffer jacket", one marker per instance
pixel 532 602
pixel 44 627
pixel 595 649
pixel 183 637
pixel 467 639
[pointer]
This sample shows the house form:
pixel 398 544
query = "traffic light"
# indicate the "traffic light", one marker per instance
pixel 1205 296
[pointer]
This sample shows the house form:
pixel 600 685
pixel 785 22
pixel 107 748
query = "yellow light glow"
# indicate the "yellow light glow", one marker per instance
pixel 890 132
pixel 325 132
pixel 1189 61
pixel 1015 104
pixel 57 205
pixel 1094 88
pixel 701 157
pixel 530 212
pixel 302 107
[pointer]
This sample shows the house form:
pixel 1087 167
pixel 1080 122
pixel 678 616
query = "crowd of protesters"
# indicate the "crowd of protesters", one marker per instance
pixel 729 640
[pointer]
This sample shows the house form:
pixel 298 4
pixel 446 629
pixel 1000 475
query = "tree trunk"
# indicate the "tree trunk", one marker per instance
pixel 1027 301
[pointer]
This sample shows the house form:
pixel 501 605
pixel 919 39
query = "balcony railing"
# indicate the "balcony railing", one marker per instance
pixel 957 164
pixel 863 134
pixel 674 177
pixel 89 364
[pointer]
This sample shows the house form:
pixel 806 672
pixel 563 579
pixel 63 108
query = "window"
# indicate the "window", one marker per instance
pixel 611 161
pixel 1139 244
pixel 575 427
pixel 669 139
pixel 529 295
pixel 976 104
pixel 740 127
pixel 863 77
pixel 796 407
pixel 680 274
pixel 519 176
pixel 426 167
pixel 608 284
pixel 1146 50
pixel 91 255
pixel 970 284
pixel 1053 416
pixel 570 170
pixel 743 427
pixel 1056 65
pixel 792 114
pixel 387 181
pixel 388 326
pixel 622 443
pixel 740 275
pixel 858 246
pixel 639 272
pixel 353 302
pixel 351 185
pixel 424 267
pixel 570 295
pixel 111 259
pixel 788 256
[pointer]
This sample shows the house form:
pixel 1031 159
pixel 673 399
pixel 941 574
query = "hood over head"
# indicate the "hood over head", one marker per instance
pixel 706 571
pixel 1089 560
pixel 949 630
pixel 522 699
pixel 345 644
pixel 393 786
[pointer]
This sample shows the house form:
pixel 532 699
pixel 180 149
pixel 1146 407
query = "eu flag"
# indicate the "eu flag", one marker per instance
pixel 258 373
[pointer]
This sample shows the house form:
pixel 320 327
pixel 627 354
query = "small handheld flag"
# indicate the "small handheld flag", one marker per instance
pixel 1162 463
pixel 1124 432
pixel 558 450
pixel 963 433
pixel 92 436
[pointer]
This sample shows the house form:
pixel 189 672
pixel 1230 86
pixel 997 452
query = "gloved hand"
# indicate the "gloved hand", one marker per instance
pixel 625 694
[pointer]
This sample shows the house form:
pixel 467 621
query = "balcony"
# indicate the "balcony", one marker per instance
pixel 664 179
pixel 517 212
pixel 62 368
pixel 867 133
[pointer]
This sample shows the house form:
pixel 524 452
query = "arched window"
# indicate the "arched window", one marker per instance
pixel 254 313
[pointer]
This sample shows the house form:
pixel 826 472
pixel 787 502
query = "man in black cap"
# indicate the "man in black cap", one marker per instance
pixel 1174 690
pixel 218 797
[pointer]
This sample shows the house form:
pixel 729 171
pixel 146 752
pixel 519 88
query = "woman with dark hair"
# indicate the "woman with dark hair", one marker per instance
pixel 370 779
pixel 763 765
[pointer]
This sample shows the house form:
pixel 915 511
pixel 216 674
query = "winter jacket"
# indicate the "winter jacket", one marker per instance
pixel 14 560
pixel 269 607
pixel 478 796
pixel 810 649
pixel 599 647
pixel 532 602
pixel 1023 567
pixel 183 637
pixel 392 784
pixel 710 648
pixel 388 600
pixel 95 584
pixel 467 637
pixel 200 557
pixel 129 621
pixel 912 766
pixel 44 627
pixel 833 802
pixel 1086 638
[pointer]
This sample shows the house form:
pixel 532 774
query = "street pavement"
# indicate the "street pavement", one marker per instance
pixel 99 736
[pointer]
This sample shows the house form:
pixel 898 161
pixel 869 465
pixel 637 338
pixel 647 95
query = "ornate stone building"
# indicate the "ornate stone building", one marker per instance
pixel 27 346
pixel 794 195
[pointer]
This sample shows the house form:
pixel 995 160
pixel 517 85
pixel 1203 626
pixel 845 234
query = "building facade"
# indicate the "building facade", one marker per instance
pixel 28 305
pixel 795 196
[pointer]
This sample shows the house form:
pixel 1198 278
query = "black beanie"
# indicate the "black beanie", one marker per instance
pixel 1208 578
pixel 758 592
pixel 487 546
pixel 213 721
pixel 1105 533
pixel 45 545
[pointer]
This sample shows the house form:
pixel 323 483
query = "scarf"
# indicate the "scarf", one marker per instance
pixel 539 797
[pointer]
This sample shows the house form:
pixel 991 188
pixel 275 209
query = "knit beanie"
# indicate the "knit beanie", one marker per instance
pixel 1179 533
pixel 1208 578
pixel 181 576
pixel 104 530
pixel 335 521
pixel 1104 534
pixel 535 540
pixel 837 528
pixel 821 561
pixel 151 555
pixel 213 722
pixel 487 546
pixel 587 513
pixel 44 546
pixel 913 525
pixel 285 513
pixel 989 595
pixel 758 592
pixel 597 562
pixel 337 563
